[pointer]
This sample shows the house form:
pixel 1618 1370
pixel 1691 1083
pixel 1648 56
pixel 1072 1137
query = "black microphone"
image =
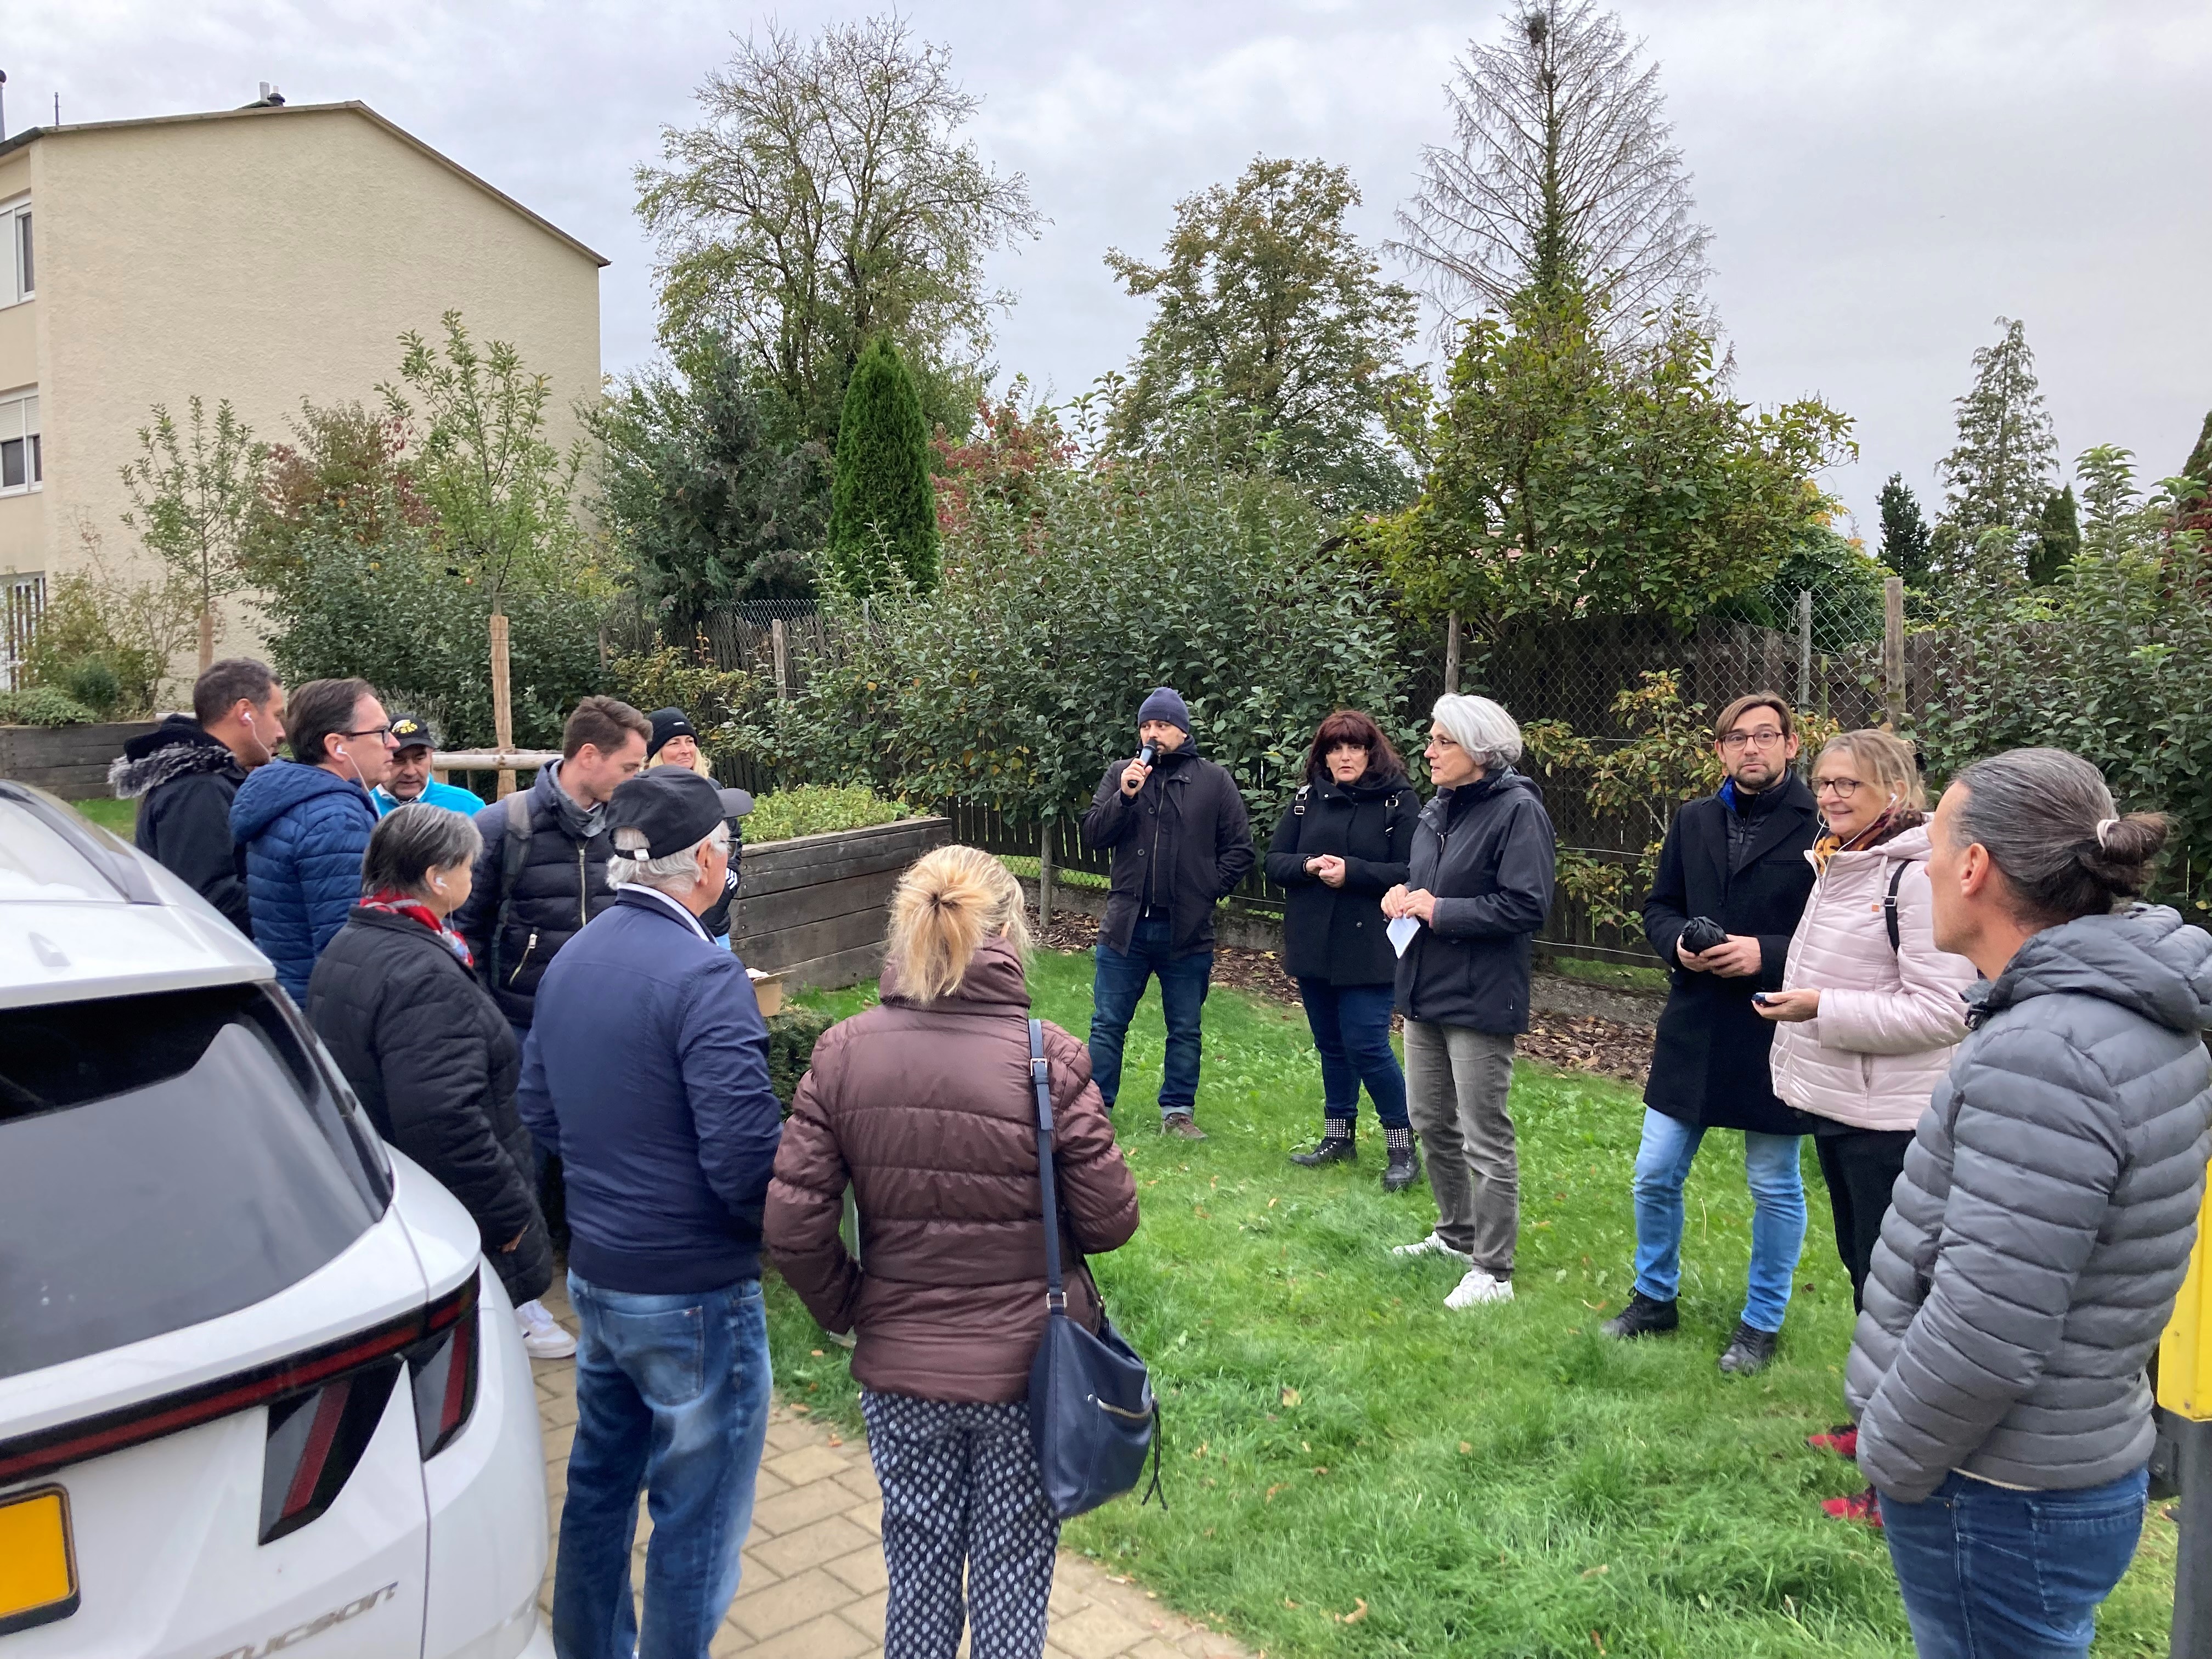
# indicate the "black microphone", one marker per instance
pixel 1145 756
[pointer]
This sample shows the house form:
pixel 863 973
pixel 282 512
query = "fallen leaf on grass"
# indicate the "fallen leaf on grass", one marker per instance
pixel 817 1352
pixel 1272 1491
pixel 1465 1447
pixel 1289 1396
pixel 1288 1602
pixel 1597 1571
pixel 1359 1612
pixel 1275 1200
pixel 800 1410
pixel 1320 1468
pixel 835 1440
pixel 1199 1209
pixel 1598 1642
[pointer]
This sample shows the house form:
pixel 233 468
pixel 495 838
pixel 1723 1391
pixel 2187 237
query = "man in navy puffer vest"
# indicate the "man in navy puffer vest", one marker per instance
pixel 305 823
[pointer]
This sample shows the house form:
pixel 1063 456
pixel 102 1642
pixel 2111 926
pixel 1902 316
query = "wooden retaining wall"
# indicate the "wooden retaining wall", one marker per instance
pixel 69 761
pixel 815 908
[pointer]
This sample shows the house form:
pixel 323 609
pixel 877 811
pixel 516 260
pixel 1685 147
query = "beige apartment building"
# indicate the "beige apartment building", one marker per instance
pixel 261 255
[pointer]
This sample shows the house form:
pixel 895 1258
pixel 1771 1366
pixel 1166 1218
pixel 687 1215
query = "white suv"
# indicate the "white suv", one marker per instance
pixel 257 1386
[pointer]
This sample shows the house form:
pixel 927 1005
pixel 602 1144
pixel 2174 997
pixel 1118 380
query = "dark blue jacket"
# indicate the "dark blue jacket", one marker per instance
pixel 647 1074
pixel 1485 849
pixel 304 831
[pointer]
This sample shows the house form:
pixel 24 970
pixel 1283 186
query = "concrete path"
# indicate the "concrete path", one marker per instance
pixel 814 1582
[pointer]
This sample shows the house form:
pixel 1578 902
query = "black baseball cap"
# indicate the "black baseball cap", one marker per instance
pixel 668 723
pixel 413 732
pixel 677 809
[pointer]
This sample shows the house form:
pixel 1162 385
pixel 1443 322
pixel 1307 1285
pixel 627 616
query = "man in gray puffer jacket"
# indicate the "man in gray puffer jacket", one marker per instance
pixel 2042 1224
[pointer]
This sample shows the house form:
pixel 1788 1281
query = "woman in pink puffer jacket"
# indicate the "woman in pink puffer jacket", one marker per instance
pixel 1866 1025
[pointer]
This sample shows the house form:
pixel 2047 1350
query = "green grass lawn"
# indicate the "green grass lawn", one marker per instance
pixel 1352 1470
pixel 120 815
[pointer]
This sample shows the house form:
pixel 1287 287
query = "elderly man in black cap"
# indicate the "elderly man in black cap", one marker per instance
pixel 1181 841
pixel 647 1072
pixel 409 778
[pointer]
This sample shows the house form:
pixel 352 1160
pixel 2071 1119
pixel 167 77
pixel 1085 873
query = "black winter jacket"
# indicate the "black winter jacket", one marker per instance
pixel 561 885
pixel 1485 851
pixel 1182 841
pixel 1709 1063
pixel 435 1066
pixel 2042 1227
pixel 1335 933
pixel 184 781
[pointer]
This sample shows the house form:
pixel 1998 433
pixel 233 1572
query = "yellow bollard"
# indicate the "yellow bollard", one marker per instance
pixel 2185 1389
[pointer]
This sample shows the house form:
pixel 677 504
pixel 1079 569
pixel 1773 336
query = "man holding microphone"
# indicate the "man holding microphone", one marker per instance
pixel 1182 843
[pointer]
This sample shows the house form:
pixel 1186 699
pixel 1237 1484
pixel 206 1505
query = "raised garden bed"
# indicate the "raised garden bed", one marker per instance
pixel 815 908
pixel 69 761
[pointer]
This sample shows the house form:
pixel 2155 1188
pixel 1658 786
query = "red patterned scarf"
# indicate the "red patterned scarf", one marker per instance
pixel 395 903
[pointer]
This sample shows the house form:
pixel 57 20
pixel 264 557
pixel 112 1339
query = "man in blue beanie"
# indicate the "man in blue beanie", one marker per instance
pixel 1182 843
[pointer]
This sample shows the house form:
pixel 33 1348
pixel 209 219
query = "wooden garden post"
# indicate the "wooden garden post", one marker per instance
pixel 502 707
pixel 1451 653
pixel 1892 652
pixel 1044 878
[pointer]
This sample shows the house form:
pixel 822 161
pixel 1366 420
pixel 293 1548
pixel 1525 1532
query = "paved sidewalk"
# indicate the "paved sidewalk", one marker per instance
pixel 814 1583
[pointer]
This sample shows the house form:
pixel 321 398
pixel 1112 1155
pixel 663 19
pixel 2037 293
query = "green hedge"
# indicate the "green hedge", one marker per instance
pixel 791 1038
pixel 43 705
pixel 816 810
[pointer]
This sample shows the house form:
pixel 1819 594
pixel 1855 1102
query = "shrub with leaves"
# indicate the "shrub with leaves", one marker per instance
pixel 43 705
pixel 817 809
pixel 1017 681
pixel 718 701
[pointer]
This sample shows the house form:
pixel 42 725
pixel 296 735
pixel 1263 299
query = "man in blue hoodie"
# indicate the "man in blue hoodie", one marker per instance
pixel 645 1073
pixel 305 823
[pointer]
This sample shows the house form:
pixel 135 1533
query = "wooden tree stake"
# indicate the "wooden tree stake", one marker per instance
pixel 1451 654
pixel 502 708
pixel 1892 652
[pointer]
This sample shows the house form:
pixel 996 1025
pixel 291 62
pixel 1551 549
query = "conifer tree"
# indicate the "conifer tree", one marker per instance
pixel 1904 532
pixel 2057 537
pixel 883 513
pixel 1999 474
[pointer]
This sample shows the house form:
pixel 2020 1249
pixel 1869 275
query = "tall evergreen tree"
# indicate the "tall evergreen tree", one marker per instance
pixel 2057 537
pixel 883 513
pixel 2199 464
pixel 2000 473
pixel 1561 174
pixel 1904 532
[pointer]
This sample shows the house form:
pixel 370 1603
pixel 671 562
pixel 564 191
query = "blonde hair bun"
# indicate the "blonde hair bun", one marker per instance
pixel 947 904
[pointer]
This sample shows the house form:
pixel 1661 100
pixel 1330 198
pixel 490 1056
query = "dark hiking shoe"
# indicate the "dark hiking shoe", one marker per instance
pixel 1643 1317
pixel 1180 1126
pixel 1335 1147
pixel 1405 1166
pixel 1859 1506
pixel 1750 1350
pixel 1843 1440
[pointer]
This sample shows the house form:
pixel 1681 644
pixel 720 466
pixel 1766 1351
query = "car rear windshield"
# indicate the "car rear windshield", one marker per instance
pixel 164 1160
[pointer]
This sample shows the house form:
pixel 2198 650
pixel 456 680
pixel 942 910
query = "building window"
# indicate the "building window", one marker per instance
pixel 21 465
pixel 18 279
pixel 21 600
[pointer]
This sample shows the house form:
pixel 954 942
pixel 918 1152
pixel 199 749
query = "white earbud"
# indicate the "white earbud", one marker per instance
pixel 438 882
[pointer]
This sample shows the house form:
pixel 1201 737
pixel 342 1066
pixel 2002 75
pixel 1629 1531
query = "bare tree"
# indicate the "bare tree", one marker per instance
pixel 826 198
pixel 1561 174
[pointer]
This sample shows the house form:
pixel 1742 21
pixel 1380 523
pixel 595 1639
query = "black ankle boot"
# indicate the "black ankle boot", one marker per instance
pixel 1335 1145
pixel 1643 1317
pixel 1405 1166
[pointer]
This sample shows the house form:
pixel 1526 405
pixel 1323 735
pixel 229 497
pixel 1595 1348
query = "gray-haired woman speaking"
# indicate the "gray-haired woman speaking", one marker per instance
pixel 2042 1226
pixel 429 1053
pixel 1480 886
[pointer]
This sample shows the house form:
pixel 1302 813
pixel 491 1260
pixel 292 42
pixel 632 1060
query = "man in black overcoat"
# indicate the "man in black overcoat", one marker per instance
pixel 1736 857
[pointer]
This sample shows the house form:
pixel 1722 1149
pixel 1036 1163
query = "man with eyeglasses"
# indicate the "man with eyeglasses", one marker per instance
pixel 305 823
pixel 1733 866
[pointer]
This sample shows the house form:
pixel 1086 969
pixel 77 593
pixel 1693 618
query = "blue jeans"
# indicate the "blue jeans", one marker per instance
pixel 1351 1033
pixel 1117 989
pixel 672 1395
pixel 1990 1573
pixel 1777 1214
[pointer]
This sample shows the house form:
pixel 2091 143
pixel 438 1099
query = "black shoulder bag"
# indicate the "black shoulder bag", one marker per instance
pixel 1093 1417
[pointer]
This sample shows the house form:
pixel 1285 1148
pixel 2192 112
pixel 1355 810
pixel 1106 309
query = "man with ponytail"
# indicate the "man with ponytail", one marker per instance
pixel 645 1071
pixel 2042 1226
pixel 924 1106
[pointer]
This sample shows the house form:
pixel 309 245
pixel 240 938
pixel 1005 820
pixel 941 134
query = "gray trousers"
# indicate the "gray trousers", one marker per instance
pixel 1456 1081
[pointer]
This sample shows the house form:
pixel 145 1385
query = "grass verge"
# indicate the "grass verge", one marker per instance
pixel 120 815
pixel 1353 1470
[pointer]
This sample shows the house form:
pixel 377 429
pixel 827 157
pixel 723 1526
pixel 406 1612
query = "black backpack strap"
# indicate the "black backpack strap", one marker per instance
pixel 1889 904
pixel 1055 1295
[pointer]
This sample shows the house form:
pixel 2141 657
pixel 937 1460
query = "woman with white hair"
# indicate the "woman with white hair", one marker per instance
pixel 1480 887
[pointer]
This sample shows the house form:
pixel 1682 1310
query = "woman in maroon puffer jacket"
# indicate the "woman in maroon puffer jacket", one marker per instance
pixel 924 1105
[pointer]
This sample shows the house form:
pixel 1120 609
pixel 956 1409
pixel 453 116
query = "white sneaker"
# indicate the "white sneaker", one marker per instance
pixel 1432 1245
pixel 542 1338
pixel 1479 1287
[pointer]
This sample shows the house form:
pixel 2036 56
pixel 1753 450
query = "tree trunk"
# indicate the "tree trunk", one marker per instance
pixel 207 637
pixel 502 708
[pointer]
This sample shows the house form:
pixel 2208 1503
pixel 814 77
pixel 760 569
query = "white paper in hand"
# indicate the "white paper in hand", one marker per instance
pixel 1401 932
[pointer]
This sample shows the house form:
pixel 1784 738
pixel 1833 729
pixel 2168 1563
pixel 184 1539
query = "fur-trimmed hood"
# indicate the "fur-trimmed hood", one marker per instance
pixel 177 748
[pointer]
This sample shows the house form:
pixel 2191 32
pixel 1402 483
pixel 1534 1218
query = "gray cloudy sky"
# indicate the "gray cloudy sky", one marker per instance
pixel 1883 177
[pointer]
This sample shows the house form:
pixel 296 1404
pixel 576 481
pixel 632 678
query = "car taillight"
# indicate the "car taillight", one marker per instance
pixel 315 1442
pixel 444 1371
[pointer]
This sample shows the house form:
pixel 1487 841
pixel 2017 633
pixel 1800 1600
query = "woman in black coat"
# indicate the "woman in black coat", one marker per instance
pixel 429 1055
pixel 1341 847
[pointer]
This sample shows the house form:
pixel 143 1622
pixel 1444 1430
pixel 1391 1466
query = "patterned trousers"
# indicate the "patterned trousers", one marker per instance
pixel 961 1493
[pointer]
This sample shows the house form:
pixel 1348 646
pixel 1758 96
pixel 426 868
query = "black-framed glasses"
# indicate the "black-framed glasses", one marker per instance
pixel 369 732
pixel 1771 738
pixel 1841 788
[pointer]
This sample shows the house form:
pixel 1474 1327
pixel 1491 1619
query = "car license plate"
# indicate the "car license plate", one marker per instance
pixel 38 1564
